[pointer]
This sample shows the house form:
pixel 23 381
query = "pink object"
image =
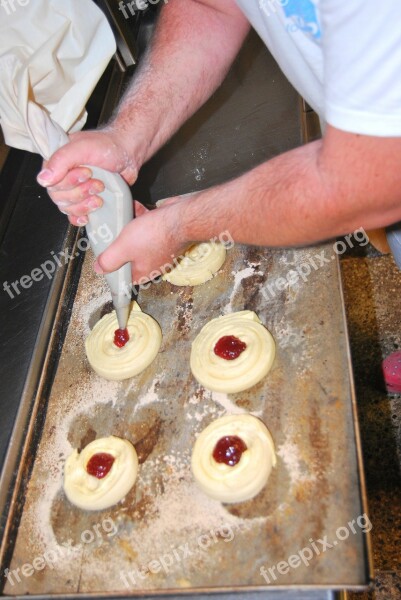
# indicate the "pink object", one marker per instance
pixel 392 372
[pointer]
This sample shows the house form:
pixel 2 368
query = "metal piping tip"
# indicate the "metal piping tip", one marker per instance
pixel 122 316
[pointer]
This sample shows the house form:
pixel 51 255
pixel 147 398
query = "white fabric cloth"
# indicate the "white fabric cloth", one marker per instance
pixel 52 54
pixel 342 56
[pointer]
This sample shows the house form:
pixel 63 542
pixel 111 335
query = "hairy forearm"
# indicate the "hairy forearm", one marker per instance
pixel 310 194
pixel 288 201
pixel 192 49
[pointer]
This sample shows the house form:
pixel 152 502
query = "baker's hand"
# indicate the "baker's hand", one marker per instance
pixel 149 242
pixel 71 185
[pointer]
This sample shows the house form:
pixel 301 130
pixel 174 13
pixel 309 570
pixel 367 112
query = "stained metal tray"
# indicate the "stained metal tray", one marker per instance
pixel 315 493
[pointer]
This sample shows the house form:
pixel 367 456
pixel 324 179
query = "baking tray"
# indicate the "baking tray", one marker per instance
pixel 306 401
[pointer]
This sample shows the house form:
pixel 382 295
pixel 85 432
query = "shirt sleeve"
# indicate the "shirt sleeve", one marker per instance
pixel 362 65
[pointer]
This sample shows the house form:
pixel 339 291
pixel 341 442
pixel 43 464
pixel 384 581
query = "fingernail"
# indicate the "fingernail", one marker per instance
pixel 94 191
pixel 84 178
pixel 95 203
pixel 97 268
pixel 63 204
pixel 45 177
pixel 82 221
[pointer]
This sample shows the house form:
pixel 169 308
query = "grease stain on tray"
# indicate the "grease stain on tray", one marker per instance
pixel 268 500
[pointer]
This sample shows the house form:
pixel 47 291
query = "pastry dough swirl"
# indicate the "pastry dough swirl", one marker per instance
pixel 231 376
pixel 115 363
pixel 244 480
pixel 90 493
pixel 199 263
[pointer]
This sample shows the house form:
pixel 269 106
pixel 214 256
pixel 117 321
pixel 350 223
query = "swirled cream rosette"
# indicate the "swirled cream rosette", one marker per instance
pixel 115 363
pixel 199 263
pixel 90 493
pixel 231 376
pixel 247 478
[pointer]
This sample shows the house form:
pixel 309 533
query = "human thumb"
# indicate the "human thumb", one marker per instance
pixel 57 167
pixel 116 255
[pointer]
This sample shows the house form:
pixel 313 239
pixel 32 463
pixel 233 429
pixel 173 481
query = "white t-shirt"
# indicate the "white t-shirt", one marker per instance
pixel 343 57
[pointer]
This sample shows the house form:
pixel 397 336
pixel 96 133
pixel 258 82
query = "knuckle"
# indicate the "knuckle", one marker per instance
pixel 83 190
pixel 82 193
pixel 79 175
pixel 78 210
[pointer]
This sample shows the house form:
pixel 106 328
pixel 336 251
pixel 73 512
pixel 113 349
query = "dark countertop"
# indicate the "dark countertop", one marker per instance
pixel 34 229
pixel 372 286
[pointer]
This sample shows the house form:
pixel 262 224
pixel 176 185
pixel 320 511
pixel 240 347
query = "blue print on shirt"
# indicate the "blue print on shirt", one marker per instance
pixel 303 16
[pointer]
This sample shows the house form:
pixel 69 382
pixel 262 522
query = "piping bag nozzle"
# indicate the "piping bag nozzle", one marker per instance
pixel 122 313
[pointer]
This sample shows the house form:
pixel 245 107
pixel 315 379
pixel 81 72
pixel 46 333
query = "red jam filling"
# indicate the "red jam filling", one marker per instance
pixel 229 347
pixel 100 464
pixel 121 337
pixel 229 450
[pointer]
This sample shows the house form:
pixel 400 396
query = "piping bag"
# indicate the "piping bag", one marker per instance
pixel 52 54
